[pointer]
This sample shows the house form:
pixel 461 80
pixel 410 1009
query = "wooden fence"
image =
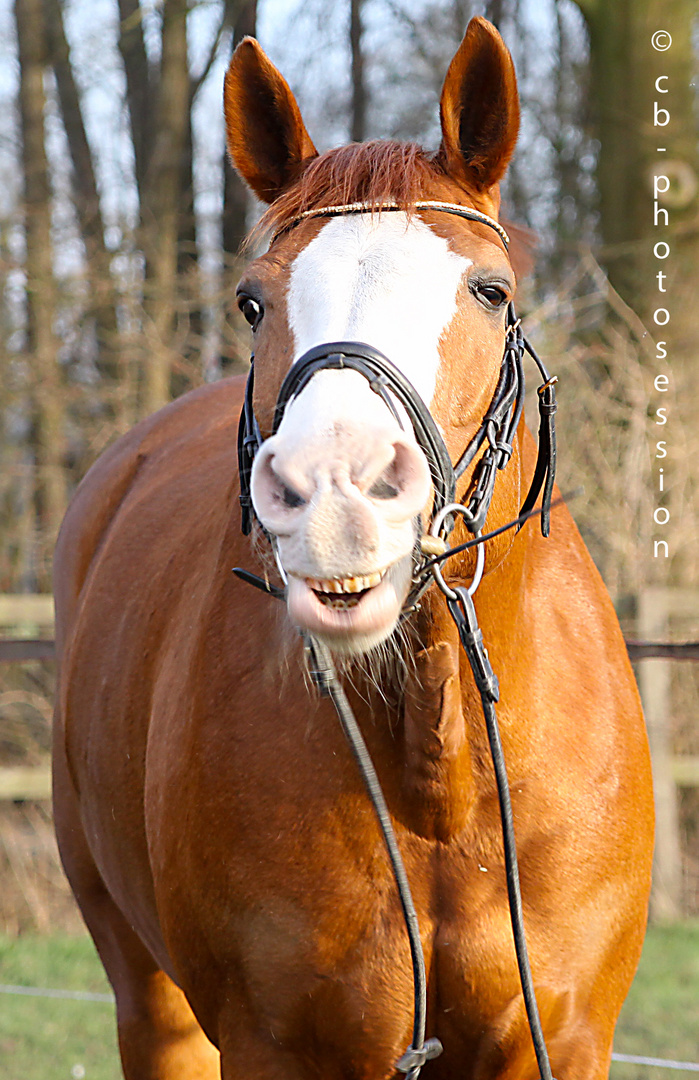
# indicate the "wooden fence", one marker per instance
pixel 26 617
pixel 33 615
pixel 656 607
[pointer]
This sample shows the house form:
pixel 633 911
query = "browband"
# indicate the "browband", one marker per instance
pixel 467 212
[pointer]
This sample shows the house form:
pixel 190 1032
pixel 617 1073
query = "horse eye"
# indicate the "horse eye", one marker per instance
pixel 493 295
pixel 251 309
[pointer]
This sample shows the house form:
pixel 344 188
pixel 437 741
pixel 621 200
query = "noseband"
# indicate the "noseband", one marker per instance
pixel 497 429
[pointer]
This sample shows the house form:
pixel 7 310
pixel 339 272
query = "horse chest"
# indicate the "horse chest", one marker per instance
pixel 324 965
pixel 300 894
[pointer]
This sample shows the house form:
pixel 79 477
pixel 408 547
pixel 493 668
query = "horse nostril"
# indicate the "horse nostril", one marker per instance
pixel 382 489
pixel 275 499
pixel 404 478
pixel 291 498
pixel 390 483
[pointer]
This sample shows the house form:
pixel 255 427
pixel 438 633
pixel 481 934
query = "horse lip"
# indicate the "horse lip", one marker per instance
pixel 373 615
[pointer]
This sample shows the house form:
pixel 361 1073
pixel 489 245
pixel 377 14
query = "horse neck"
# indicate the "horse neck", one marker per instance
pixel 444 742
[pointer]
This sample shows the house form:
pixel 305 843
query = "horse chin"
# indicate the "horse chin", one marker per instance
pixel 352 630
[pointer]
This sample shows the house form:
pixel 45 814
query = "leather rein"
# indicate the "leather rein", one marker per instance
pixel 497 431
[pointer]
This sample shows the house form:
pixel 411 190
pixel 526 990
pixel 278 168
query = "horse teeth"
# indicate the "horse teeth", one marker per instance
pixel 345 585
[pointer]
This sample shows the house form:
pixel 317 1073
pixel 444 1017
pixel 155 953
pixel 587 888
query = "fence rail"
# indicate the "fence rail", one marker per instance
pixel 16 649
pixel 34 613
pixel 24 616
pixel 647 650
pixel 657 607
pixel 25 783
pixel 33 783
pixel 26 609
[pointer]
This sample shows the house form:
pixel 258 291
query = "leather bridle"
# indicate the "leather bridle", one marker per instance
pixel 497 431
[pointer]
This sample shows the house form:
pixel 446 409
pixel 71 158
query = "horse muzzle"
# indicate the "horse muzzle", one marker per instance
pixel 287 493
pixel 340 487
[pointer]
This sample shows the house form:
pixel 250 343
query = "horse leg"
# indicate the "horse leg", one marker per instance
pixel 159 1036
pixel 245 1053
pixel 579 1046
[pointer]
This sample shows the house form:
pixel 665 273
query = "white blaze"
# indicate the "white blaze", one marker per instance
pixel 393 284
pixel 384 280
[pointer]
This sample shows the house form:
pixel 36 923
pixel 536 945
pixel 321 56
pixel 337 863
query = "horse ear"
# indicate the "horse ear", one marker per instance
pixel 267 139
pixel 479 109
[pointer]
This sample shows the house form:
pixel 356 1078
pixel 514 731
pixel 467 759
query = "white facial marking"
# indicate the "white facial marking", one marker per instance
pixel 316 484
pixel 383 280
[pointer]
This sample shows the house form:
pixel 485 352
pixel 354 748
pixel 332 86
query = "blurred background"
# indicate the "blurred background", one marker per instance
pixel 120 227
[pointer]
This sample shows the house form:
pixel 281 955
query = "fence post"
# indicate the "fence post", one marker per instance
pixel 654 684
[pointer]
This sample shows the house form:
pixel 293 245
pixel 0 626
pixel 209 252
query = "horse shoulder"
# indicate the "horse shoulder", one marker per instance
pixel 585 745
pixel 95 507
pixel 138 541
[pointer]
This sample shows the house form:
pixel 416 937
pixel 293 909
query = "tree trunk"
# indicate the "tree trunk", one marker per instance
pixel 626 100
pixel 569 140
pixel 190 316
pixel 624 67
pixel 161 202
pixel 48 403
pixel 87 204
pixel 241 15
pixel 85 198
pixel 494 11
pixel 139 91
pixel 359 95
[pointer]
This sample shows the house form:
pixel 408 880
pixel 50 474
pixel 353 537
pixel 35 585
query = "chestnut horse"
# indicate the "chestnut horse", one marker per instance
pixel 210 815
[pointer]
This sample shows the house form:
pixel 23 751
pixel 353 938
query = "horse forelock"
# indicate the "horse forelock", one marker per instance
pixel 374 173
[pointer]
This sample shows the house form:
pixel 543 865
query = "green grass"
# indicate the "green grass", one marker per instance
pixel 46 1038
pixel 660 1017
pixel 55 1038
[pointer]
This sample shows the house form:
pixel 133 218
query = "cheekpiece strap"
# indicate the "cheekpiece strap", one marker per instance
pixel 249 442
pixel 498 427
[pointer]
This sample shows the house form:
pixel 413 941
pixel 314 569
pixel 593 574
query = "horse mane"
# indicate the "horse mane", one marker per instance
pixel 373 173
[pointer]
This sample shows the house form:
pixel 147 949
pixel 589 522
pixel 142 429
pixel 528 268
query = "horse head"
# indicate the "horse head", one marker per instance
pixel 340 482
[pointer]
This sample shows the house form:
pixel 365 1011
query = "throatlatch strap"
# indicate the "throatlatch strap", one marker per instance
pixel 545 471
